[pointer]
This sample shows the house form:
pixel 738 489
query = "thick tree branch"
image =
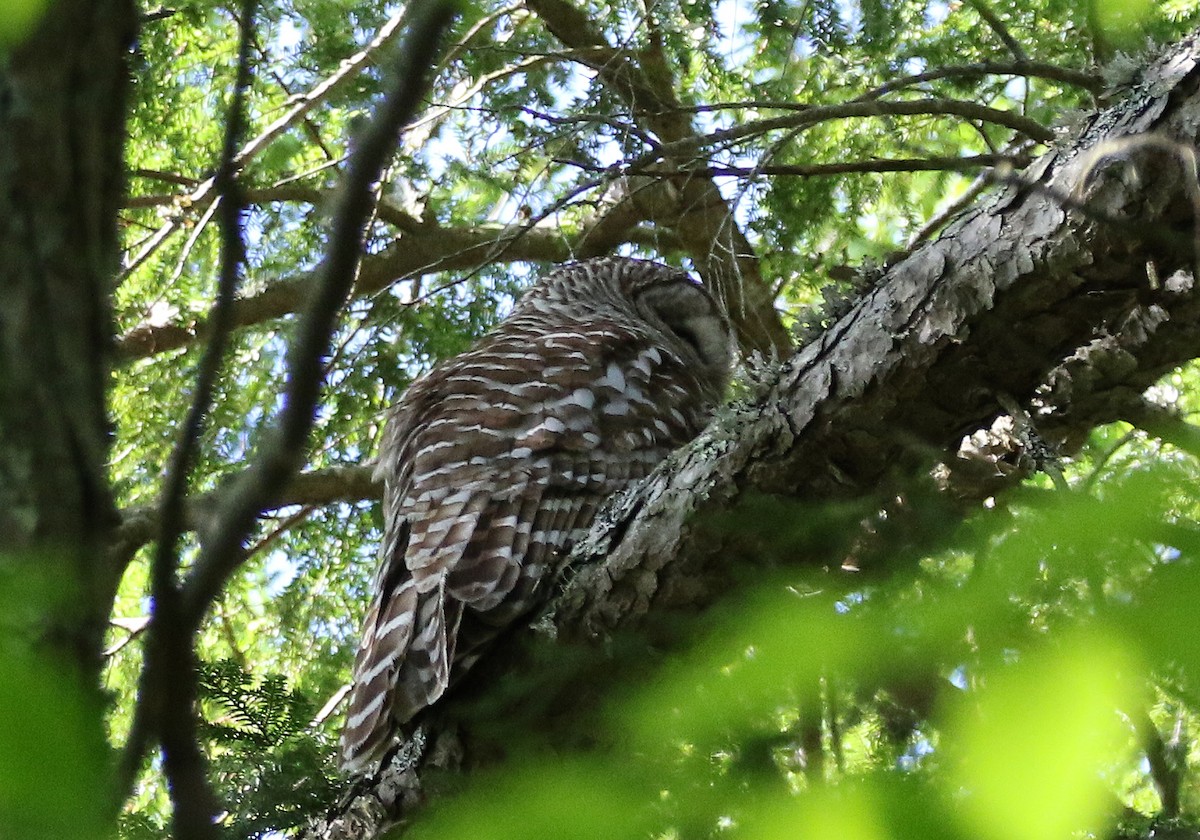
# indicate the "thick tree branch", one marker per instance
pixel 924 356
pixel 704 221
pixel 62 123
pixel 320 487
pixel 422 248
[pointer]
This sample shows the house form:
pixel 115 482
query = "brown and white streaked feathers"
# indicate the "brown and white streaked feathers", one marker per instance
pixel 496 461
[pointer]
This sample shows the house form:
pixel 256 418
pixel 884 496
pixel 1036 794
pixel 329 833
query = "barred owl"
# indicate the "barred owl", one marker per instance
pixel 496 461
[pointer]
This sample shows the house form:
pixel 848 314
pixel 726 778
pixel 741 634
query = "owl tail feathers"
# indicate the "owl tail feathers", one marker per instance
pixel 397 673
pixel 387 634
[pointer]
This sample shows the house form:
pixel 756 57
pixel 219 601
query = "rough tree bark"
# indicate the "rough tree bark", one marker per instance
pixel 62 131
pixel 1064 294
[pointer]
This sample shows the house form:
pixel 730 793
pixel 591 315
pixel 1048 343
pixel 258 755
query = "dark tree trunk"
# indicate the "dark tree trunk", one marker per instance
pixel 62 132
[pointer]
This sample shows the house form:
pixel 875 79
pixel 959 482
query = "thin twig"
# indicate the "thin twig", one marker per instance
pixel 283 450
pixel 1090 82
pixel 934 164
pixel 167 177
pixel 303 104
pixel 998 26
pixel 935 223
pixel 931 106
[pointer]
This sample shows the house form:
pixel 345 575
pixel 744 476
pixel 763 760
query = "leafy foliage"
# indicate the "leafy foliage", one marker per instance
pixel 999 692
pixel 53 757
pixel 274 771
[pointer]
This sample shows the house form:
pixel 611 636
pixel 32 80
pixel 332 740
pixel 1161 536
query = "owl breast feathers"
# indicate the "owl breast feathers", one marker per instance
pixel 495 463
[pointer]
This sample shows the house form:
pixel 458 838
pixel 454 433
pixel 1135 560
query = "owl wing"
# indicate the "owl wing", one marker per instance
pixel 493 466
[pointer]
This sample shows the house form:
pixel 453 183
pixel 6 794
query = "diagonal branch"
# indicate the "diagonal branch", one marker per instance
pixel 1004 295
pixel 423 248
pixel 283 451
pixel 993 20
pixel 1014 298
pixel 301 106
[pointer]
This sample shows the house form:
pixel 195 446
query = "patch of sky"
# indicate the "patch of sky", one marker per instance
pixel 288 35
pixel 1167 553
pixel 1017 88
pixel 936 13
pixel 851 16
pixel 849 601
pixel 958 678
pixel 280 569
pixel 733 18
pixel 917 750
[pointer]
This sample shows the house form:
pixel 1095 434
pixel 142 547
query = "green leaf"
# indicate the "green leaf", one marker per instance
pixel 53 760
pixel 1036 741
pixel 18 19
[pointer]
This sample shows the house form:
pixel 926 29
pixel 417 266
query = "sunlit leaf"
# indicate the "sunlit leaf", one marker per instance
pixel 1123 18
pixel 53 762
pixel 1034 744
pixel 17 19
pixel 546 797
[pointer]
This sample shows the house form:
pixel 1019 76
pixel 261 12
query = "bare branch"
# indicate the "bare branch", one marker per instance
pixel 167 690
pixel 933 164
pixel 952 210
pixel 424 248
pixel 319 487
pixel 303 104
pixel 809 115
pixel 997 25
pixel 1091 82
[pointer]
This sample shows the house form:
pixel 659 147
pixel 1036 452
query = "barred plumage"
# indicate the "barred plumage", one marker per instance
pixel 497 460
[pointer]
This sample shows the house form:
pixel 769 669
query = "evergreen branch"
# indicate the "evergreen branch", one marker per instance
pixel 304 103
pixel 1001 30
